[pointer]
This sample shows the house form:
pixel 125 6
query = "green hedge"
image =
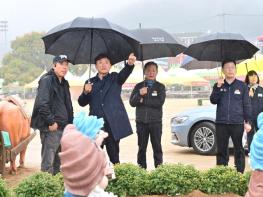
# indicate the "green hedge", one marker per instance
pixel 40 185
pixel 131 180
pixel 3 189
pixel 222 180
pixel 174 179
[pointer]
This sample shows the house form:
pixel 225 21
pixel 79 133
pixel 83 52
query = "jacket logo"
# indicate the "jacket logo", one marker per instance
pixel 237 92
pixel 260 95
pixel 154 93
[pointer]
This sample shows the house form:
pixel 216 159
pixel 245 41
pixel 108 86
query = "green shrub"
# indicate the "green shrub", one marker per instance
pixel 243 187
pixel 39 185
pixel 60 180
pixel 221 179
pixel 174 179
pixel 3 189
pixel 130 180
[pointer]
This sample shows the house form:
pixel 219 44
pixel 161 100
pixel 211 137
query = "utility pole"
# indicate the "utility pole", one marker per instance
pixel 224 22
pixel 140 25
pixel 3 29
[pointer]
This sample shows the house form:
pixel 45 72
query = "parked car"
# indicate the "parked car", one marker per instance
pixel 196 128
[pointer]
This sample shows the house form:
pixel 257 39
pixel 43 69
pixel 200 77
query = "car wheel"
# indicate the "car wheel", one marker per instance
pixel 203 138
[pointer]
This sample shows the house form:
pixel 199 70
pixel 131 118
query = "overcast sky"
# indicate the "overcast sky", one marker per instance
pixel 174 16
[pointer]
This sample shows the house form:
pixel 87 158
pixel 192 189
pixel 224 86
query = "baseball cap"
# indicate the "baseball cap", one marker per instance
pixel 60 58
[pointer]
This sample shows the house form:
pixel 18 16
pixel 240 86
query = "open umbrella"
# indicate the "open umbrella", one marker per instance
pixel 190 63
pixel 221 46
pixel 84 38
pixel 156 43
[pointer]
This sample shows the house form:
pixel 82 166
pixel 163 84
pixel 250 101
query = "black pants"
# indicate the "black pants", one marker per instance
pixel 250 135
pixel 223 132
pixel 50 161
pixel 112 145
pixel 154 130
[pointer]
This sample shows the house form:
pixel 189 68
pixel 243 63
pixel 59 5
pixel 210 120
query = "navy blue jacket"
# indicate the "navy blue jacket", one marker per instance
pixel 109 101
pixel 233 103
pixel 257 104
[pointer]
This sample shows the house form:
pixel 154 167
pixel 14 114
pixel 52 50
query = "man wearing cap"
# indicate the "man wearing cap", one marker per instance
pixel 52 112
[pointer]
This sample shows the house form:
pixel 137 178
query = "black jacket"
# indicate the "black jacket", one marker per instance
pixel 105 101
pixel 150 110
pixel 233 103
pixel 257 104
pixel 52 103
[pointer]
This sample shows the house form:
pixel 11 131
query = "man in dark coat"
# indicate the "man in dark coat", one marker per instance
pixel 148 97
pixel 52 112
pixel 233 115
pixel 103 94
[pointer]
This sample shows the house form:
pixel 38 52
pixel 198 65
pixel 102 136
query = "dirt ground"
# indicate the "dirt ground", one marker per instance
pixel 128 146
pixel 197 193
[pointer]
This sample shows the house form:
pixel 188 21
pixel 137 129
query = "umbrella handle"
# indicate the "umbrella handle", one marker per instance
pixel 218 72
pixel 246 67
pixel 142 70
pixel 90 55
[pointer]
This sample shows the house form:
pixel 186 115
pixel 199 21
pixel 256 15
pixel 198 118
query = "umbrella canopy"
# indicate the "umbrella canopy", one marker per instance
pixel 84 38
pixel 156 43
pixel 255 63
pixel 190 63
pixel 220 47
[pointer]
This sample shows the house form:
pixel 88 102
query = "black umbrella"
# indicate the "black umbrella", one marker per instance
pixel 84 38
pixel 156 43
pixel 190 63
pixel 220 47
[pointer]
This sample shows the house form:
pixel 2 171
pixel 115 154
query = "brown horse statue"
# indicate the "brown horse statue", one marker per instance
pixel 16 122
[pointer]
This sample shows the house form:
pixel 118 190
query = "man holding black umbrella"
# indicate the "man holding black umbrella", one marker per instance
pixel 233 115
pixel 102 94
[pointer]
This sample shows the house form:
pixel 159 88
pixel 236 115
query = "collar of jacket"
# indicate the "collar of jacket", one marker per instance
pixel 230 83
pixel 52 72
pixel 105 77
pixel 253 86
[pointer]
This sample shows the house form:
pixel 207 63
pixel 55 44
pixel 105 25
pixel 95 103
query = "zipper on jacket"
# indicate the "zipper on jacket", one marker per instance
pixel 229 88
pixel 146 108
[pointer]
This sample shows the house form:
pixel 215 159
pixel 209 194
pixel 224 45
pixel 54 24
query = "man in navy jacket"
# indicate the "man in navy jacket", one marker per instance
pixel 103 94
pixel 233 115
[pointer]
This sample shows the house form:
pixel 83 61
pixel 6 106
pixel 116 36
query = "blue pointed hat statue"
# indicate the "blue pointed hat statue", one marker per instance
pixel 88 125
pixel 256 148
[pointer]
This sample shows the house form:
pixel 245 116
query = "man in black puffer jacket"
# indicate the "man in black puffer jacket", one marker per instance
pixel 52 112
pixel 148 97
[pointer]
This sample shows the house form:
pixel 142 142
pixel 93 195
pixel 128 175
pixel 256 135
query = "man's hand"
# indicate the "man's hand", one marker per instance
pixel 220 82
pixel 100 137
pixel 53 127
pixel 247 127
pixel 143 91
pixel 88 88
pixel 131 59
